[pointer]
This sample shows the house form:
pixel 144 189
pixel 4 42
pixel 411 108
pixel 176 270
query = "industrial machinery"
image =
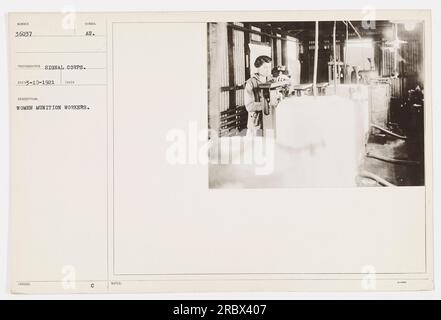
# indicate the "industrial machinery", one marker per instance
pixel 273 92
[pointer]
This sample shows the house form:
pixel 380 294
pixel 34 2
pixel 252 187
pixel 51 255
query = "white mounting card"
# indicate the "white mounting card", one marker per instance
pixel 129 173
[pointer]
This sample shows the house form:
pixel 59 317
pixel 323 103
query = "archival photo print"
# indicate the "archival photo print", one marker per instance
pixel 316 104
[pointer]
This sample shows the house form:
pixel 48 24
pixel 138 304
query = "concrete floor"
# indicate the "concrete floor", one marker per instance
pixel 397 174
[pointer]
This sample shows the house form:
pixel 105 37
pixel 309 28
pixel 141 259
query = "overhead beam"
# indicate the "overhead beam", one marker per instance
pixel 265 34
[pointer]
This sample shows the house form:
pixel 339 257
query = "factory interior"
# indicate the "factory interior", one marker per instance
pixel 355 87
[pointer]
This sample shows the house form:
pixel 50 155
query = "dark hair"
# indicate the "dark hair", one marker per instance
pixel 261 60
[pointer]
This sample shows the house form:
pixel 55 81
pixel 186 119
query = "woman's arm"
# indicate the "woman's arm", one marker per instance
pixel 250 103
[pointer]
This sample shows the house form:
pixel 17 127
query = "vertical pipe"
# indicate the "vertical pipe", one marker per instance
pixel 334 54
pixel 284 50
pixel 347 41
pixel 395 26
pixel 247 51
pixel 314 85
pixel 346 73
pixel 231 78
pixel 275 52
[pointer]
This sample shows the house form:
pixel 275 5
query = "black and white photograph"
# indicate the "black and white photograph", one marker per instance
pixel 316 103
pixel 283 150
